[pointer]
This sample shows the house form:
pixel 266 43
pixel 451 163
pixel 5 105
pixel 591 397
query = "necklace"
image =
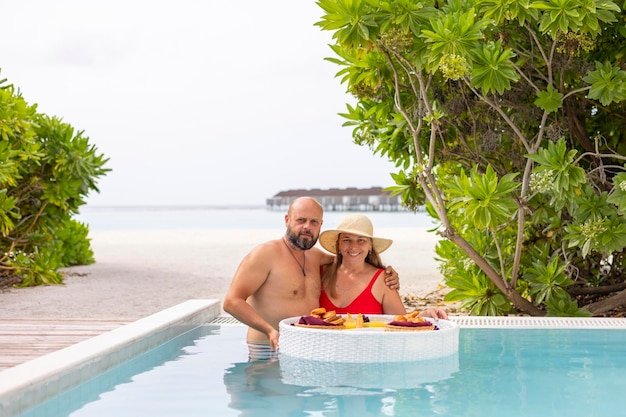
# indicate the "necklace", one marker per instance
pixel 301 265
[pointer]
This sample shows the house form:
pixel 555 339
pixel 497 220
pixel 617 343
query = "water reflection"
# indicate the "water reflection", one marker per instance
pixel 388 375
pixel 256 386
pixel 297 387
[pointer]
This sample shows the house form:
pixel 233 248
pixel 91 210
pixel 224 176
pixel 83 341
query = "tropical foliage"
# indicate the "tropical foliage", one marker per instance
pixel 46 171
pixel 505 118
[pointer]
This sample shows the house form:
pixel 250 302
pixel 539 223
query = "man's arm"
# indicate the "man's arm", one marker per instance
pixel 392 279
pixel 249 277
pixel 325 257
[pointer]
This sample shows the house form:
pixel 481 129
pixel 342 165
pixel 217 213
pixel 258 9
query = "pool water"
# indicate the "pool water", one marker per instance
pixel 497 372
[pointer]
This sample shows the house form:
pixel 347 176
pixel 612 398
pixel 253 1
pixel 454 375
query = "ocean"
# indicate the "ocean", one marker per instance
pixel 192 217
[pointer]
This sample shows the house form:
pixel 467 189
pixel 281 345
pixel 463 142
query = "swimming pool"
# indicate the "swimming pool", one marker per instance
pixel 511 371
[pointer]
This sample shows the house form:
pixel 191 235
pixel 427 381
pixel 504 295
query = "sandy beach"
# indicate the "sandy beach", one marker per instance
pixel 138 273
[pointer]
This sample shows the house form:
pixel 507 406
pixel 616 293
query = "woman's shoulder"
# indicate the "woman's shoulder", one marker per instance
pixel 379 274
pixel 378 271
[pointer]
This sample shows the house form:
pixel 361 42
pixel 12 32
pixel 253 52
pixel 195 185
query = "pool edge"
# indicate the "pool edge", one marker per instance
pixel 29 384
pixel 527 322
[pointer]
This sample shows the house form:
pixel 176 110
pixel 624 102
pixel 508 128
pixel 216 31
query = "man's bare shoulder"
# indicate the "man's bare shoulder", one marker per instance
pixel 259 262
pixel 264 252
pixel 268 246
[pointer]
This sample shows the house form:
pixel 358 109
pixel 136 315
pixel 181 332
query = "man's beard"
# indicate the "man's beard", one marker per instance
pixel 300 242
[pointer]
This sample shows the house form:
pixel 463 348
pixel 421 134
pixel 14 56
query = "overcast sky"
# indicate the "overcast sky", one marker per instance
pixel 195 102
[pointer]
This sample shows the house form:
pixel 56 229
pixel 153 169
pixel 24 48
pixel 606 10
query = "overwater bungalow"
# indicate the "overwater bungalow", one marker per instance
pixel 341 199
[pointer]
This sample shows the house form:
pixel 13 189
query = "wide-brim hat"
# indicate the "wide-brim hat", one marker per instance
pixel 355 224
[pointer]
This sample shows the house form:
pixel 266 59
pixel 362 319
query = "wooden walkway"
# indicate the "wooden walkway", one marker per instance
pixel 22 340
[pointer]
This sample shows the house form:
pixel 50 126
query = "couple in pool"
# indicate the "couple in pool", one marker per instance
pixel 289 277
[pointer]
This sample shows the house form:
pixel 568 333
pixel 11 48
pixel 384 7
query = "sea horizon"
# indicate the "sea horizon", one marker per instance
pixel 172 206
pixel 185 217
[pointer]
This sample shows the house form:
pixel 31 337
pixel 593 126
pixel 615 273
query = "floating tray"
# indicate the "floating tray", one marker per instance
pixel 369 344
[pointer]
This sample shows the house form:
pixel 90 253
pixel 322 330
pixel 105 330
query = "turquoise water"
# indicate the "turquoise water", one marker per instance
pixel 498 372
pixel 180 218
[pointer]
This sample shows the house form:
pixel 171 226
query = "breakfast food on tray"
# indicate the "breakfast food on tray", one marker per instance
pixel 318 311
pixel 362 321
pixel 354 322
pixel 409 322
pixel 322 319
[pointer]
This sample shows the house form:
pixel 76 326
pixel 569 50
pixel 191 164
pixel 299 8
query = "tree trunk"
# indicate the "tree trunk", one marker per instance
pixel 605 289
pixel 607 304
pixel 573 110
pixel 518 301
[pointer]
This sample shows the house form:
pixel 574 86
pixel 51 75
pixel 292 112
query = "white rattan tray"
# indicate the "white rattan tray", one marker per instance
pixel 367 344
pixel 388 375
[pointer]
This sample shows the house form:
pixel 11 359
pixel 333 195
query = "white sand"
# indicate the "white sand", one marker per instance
pixel 138 273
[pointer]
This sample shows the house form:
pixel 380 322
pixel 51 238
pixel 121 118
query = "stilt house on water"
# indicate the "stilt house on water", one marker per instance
pixel 337 199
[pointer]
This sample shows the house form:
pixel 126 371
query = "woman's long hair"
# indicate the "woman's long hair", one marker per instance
pixel 329 277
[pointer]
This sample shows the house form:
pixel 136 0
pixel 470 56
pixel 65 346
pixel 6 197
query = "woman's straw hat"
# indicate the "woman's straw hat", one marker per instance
pixel 356 224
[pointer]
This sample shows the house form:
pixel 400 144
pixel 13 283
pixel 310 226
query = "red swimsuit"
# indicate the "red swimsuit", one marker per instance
pixel 365 302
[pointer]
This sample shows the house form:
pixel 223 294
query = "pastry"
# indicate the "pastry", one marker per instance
pixel 321 319
pixel 409 322
pixel 318 311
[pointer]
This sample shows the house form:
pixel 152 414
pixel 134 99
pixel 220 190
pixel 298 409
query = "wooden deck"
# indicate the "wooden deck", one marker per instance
pixel 22 340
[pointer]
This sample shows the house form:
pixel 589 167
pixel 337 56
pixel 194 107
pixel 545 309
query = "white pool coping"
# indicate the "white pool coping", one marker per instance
pixel 523 322
pixel 31 383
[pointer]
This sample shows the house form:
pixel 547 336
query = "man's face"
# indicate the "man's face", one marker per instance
pixel 302 237
pixel 303 230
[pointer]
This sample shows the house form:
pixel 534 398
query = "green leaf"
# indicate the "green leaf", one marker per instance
pixel 502 11
pixel 485 201
pixel 565 178
pixel 454 33
pixel 559 15
pixel 353 21
pixel 601 235
pixel 8 212
pixel 493 70
pixel 590 205
pixel 618 195
pixel 547 280
pixel 549 100
pixel 561 307
pixel 608 83
pixel 478 294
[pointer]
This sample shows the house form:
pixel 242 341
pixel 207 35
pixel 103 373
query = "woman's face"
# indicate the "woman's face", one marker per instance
pixel 354 247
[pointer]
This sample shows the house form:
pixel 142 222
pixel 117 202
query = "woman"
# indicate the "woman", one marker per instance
pixel 353 283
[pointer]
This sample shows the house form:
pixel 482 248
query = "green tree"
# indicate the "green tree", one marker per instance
pixel 506 119
pixel 46 171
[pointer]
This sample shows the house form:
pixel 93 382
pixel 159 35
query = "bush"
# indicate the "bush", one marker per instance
pixel 47 170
